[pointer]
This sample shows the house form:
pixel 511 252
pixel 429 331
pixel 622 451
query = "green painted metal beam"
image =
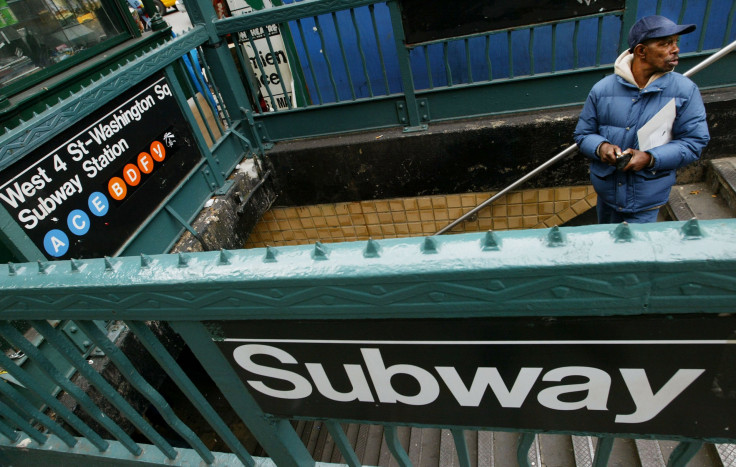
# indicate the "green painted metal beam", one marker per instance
pixel 55 452
pixel 668 268
pixel 22 140
pixel 277 436
pixel 282 14
pixel 365 115
pixel 521 94
pixel 16 241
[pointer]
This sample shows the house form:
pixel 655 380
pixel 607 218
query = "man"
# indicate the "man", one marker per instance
pixel 618 106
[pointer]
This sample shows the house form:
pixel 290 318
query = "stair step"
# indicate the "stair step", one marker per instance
pixel 696 200
pixel 727 454
pixel 436 448
pixel 721 177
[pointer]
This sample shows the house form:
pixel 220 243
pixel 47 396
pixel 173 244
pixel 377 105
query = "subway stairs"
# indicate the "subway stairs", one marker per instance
pixel 712 198
pixel 435 447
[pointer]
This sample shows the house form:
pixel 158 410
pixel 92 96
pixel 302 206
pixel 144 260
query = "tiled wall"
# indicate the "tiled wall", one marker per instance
pixel 405 217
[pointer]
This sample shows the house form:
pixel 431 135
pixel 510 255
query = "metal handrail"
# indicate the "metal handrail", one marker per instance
pixel 570 150
pixel 573 148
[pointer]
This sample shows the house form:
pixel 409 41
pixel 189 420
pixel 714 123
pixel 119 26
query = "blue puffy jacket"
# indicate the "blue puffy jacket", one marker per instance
pixel 614 112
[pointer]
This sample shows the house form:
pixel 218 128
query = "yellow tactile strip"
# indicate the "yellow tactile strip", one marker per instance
pixel 408 217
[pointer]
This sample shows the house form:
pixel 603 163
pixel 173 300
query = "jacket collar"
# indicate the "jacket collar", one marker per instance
pixel 622 68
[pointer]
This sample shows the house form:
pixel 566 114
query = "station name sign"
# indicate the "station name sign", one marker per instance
pixel 87 190
pixel 641 375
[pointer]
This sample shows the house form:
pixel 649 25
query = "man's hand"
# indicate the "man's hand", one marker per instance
pixel 639 160
pixel 608 152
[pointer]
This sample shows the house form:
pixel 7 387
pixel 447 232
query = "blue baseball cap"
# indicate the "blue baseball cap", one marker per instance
pixel 653 27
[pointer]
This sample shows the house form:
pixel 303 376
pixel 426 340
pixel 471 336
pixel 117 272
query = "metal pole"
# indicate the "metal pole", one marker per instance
pixel 713 58
pixel 570 150
pixel 157 22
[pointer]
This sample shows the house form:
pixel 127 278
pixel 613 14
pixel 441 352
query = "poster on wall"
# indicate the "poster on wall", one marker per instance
pixel 433 20
pixel 267 65
pixel 85 192
pixel 615 374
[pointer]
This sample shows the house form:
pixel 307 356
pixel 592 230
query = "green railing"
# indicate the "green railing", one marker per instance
pixel 352 66
pixel 661 296
pixel 651 271
pixel 364 51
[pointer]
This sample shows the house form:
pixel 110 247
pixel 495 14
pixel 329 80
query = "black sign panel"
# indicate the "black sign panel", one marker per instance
pixel 88 189
pixel 647 375
pixel 429 20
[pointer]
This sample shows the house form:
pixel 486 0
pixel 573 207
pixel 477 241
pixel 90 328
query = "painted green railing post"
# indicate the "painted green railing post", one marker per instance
pixel 603 451
pixel 277 436
pixel 157 22
pixel 224 74
pixel 523 446
pixel 221 63
pixel 217 177
pixel 410 114
pixel 16 240
pixel 630 9
pixel 683 453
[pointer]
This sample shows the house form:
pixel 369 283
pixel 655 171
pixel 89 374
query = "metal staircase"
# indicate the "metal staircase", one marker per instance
pixel 428 447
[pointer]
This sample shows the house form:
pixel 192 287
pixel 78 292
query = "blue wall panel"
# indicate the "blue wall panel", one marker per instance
pixel 587 43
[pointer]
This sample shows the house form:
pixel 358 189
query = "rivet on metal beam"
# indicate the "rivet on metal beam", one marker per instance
pixel 429 246
pixel 108 263
pixel 691 229
pixel 555 237
pixel 145 261
pixel 490 242
pixel 320 251
pixel 11 269
pixel 75 264
pixel 372 249
pixel 270 255
pixel 183 260
pixel 225 256
pixel 622 233
pixel 41 267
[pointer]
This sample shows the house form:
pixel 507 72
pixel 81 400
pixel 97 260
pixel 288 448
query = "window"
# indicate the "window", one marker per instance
pixel 39 37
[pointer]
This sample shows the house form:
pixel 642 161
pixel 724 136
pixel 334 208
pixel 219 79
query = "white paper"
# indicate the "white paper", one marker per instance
pixel 658 130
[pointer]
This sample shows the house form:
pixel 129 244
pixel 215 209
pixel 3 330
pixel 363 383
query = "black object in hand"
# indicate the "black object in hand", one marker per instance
pixel 622 160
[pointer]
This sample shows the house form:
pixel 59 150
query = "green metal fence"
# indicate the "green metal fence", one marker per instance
pixel 416 88
pixel 605 274
pixel 514 69
pixel 663 270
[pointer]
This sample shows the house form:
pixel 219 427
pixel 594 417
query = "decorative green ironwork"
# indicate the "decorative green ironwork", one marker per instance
pixel 24 139
pixel 285 13
pixel 454 275
pixel 662 268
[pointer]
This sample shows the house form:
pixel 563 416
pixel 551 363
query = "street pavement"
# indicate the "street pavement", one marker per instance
pixel 178 20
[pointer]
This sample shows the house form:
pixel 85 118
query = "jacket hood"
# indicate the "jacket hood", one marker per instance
pixel 622 68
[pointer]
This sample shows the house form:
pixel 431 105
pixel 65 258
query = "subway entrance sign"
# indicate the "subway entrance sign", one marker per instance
pixel 86 191
pixel 663 375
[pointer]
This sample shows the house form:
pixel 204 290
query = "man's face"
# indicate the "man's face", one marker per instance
pixel 662 54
